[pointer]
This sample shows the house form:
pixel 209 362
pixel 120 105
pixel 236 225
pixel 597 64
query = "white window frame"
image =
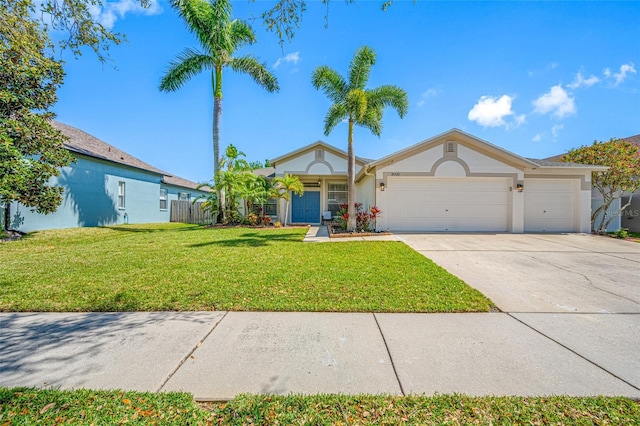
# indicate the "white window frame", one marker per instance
pixel 164 197
pixel 184 196
pixel 121 195
pixel 346 191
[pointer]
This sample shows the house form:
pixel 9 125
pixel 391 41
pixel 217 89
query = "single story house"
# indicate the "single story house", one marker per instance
pixel 452 182
pixel 105 186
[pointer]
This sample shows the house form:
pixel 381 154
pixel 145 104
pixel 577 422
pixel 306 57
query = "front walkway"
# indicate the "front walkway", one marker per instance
pixel 320 234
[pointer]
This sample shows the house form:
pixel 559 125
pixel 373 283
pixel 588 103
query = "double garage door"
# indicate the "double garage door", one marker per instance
pixel 477 204
pixel 452 204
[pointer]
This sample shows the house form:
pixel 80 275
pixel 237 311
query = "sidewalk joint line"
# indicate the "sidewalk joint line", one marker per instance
pixel 395 372
pixel 186 357
pixel 574 352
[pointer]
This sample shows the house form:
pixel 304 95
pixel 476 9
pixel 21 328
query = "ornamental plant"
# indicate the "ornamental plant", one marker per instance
pixel 623 160
pixel 365 218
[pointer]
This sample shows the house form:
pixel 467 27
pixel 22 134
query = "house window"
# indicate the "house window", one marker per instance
pixel 184 196
pixel 269 207
pixel 163 198
pixel 121 195
pixel 338 195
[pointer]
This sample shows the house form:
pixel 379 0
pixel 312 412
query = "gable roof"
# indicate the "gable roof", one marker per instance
pixel 483 145
pixel 315 145
pixel 83 143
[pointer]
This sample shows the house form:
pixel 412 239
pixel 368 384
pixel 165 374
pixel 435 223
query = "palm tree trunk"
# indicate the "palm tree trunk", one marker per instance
pixel 286 213
pixel 351 181
pixel 216 77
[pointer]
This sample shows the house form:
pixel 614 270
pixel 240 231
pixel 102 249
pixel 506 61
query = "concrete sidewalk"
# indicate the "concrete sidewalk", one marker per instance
pixel 216 355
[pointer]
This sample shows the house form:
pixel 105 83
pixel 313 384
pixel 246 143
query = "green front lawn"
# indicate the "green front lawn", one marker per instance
pixel 29 406
pixel 188 268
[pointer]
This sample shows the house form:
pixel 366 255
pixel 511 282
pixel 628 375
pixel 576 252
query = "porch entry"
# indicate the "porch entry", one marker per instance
pixel 306 209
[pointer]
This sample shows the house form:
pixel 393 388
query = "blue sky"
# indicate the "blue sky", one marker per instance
pixel 536 78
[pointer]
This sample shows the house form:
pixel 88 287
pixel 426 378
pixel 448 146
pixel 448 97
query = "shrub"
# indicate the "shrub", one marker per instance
pixel 365 219
pixel 621 233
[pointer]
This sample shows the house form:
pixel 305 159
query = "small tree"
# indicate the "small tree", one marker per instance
pixel 623 160
pixel 286 186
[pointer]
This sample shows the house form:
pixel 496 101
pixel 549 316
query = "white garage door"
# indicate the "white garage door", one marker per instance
pixel 549 205
pixel 452 204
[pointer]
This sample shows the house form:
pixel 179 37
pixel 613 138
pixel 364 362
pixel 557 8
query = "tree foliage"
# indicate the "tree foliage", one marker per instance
pixel 31 149
pixel 360 106
pixel 285 16
pixel 623 160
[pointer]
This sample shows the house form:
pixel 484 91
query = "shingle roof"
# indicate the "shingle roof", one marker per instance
pixel 552 162
pixel 633 139
pixel 83 143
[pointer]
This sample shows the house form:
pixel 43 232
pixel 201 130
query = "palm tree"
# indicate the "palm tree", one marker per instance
pixel 360 106
pixel 284 187
pixel 220 37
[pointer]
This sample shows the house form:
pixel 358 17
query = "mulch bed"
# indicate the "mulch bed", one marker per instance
pixel 337 232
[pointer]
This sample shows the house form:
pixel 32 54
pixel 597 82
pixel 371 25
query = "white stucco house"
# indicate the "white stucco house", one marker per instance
pixel 452 182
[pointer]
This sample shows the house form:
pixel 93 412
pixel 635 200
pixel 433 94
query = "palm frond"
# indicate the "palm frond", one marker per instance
pixel 257 71
pixel 183 67
pixel 356 104
pixel 389 96
pixel 372 120
pixel 335 115
pixel 360 67
pixel 241 34
pixel 331 83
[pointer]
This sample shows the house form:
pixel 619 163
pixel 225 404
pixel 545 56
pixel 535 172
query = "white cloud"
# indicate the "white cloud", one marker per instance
pixel 556 129
pixel 110 12
pixel 557 101
pixel 291 57
pixel 622 75
pixel 580 81
pixel 429 93
pixel 491 111
pixel 537 138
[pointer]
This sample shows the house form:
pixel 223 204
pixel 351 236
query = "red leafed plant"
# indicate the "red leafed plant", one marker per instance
pixel 365 218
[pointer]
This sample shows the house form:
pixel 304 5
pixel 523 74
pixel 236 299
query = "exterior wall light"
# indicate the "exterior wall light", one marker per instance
pixel 519 187
pixel 382 186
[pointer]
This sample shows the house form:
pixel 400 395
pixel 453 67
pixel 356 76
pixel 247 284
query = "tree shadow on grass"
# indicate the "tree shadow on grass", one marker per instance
pixel 147 230
pixel 252 239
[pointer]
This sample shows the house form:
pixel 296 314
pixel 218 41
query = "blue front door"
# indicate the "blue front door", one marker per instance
pixel 306 209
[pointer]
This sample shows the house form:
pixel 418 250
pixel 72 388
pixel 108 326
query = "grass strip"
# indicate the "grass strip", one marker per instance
pixel 21 406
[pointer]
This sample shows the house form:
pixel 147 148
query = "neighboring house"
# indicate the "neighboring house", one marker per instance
pixel 105 186
pixel 630 218
pixel 451 182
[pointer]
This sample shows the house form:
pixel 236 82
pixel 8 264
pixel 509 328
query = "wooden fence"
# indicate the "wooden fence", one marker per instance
pixel 188 212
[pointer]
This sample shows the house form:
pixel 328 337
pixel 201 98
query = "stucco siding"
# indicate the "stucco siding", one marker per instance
pixel 91 198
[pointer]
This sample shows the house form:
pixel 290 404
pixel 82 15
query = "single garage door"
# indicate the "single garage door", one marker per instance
pixel 549 205
pixel 451 204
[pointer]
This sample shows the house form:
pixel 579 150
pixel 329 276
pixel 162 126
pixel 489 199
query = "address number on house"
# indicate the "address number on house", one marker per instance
pixel 395 173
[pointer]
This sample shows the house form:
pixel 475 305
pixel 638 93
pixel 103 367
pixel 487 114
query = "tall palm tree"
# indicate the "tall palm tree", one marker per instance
pixel 360 106
pixel 286 186
pixel 220 37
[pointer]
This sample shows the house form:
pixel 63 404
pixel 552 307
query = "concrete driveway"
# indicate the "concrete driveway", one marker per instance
pixel 539 272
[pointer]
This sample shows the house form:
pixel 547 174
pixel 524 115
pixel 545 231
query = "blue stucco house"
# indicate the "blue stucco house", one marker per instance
pixel 105 186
